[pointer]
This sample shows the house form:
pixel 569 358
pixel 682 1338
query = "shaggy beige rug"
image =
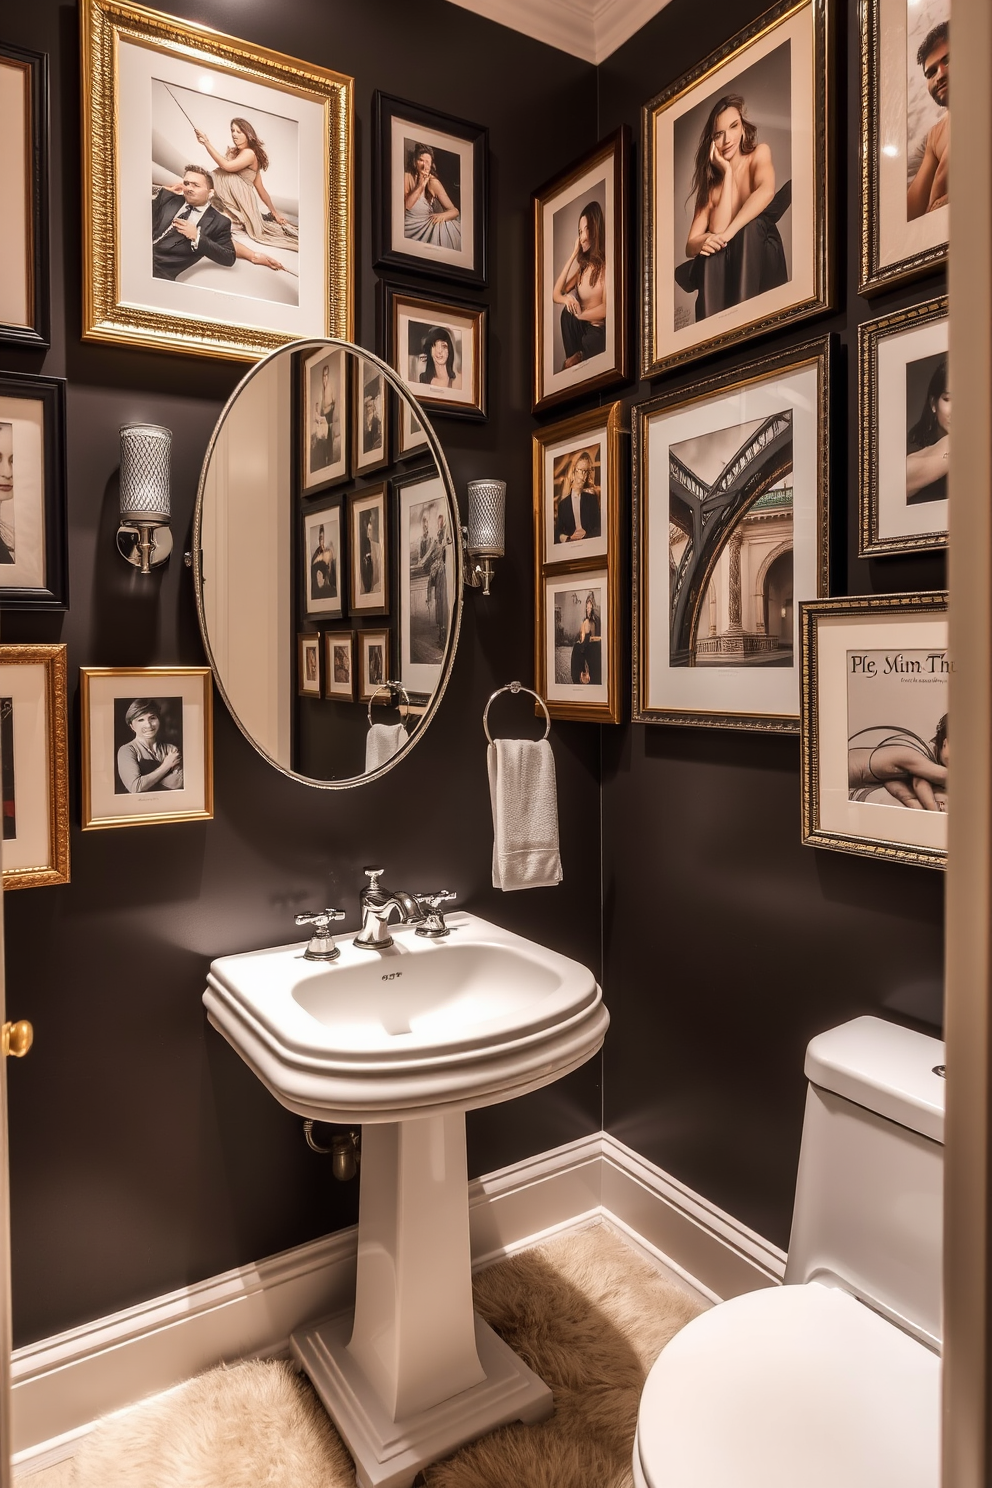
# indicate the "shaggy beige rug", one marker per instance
pixel 587 1311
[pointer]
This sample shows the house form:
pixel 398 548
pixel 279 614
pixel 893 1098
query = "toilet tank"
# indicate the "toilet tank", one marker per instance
pixel 869 1195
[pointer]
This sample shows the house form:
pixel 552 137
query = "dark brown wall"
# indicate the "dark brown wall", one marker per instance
pixel 729 944
pixel 144 1154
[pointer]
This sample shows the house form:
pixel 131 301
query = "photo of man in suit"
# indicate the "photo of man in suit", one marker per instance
pixel 187 228
pixel 578 515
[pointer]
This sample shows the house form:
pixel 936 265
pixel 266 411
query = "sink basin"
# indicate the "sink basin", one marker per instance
pixel 479 1017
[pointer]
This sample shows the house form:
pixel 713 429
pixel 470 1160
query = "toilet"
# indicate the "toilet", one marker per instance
pixel 834 1378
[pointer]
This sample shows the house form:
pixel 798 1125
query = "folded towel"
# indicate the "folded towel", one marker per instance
pixel 382 741
pixel 525 814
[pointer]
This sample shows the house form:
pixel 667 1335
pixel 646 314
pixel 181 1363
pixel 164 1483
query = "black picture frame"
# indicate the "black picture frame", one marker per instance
pixel 36 333
pixel 388 110
pixel 53 592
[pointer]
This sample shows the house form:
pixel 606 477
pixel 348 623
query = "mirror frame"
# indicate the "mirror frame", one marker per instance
pixel 435 448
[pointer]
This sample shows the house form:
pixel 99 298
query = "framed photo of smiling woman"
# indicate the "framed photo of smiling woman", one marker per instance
pixel 736 191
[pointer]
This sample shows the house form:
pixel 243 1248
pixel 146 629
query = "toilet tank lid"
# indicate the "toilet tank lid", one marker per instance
pixel 885 1067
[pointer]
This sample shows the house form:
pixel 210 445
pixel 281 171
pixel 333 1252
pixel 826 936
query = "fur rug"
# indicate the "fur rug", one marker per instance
pixel 587 1311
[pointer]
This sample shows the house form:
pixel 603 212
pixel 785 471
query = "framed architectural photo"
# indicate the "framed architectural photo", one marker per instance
pixel 147 737
pixel 339 665
pixel 24 246
pixel 750 123
pixel 370 423
pixel 368 546
pixel 874 734
pixel 731 481
pixel 429 191
pixel 33 557
pixel 580 276
pixel 324 420
pixel 373 661
pixel 905 139
pixel 438 348
pixel 323 572
pixel 217 214
pixel 34 766
pixel 308 663
pixel 577 489
pixel 577 654
pixel 905 430
pixel 427 577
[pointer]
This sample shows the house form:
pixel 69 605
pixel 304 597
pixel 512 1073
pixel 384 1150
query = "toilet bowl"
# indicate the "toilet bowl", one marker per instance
pixel 833 1378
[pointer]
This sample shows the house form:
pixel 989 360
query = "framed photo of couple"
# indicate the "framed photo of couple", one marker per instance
pixel 34 766
pixel 874 726
pixel 736 191
pixel 905 139
pixel 217 214
pixel 580 276
pixel 905 430
pixel 577 498
pixel 730 520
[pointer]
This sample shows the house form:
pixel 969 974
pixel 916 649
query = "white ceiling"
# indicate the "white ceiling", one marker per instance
pixel 590 29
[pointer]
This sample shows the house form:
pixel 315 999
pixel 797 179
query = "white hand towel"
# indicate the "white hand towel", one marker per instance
pixel 524 798
pixel 382 741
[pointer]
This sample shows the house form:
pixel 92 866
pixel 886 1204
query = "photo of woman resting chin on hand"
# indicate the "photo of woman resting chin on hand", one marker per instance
pixel 581 290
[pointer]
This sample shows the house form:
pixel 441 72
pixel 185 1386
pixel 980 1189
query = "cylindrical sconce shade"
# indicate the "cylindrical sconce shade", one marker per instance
pixel 145 456
pixel 486 518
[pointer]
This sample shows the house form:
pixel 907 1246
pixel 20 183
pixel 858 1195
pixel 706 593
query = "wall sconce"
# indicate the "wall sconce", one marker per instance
pixel 144 537
pixel 483 539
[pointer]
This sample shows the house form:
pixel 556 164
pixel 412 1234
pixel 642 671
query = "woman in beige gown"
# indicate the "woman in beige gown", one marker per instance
pixel 240 191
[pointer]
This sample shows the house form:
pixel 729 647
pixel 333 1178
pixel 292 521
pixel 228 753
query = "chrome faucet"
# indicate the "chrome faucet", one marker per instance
pixel 377 905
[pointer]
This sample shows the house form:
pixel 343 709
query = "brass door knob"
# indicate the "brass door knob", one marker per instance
pixel 16 1038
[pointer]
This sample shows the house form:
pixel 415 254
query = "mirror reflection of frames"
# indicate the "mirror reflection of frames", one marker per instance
pixel 298 530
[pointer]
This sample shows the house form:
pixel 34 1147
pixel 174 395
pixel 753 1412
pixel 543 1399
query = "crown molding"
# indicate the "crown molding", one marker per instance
pixel 590 29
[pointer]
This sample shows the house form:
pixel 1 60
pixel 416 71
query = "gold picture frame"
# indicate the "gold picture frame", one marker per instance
pixel 125 300
pixel 781 64
pixel 33 704
pixel 571 687
pixel 874 726
pixel 181 698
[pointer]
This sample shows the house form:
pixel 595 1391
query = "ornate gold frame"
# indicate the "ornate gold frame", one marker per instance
pixel 56 715
pixel 870 333
pixel 149 676
pixel 652 361
pixel 817 352
pixel 105 316
pixel 605 421
pixel 393 299
pixel 810 613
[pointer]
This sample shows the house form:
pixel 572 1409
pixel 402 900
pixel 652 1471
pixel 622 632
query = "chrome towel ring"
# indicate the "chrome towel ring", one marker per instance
pixel 515 687
pixel 392 687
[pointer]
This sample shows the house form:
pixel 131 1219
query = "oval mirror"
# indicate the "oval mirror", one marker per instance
pixel 329 567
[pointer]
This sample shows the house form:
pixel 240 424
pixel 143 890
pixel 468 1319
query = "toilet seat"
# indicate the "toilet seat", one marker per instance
pixel 786 1386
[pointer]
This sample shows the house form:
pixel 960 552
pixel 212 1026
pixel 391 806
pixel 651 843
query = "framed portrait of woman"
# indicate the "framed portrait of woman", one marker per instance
pixel 427 573
pixel 217 214
pixel 370 418
pixel 736 199
pixel 580 275
pixel 24 244
pixel 429 191
pixel 906 139
pixel 322 568
pixel 577 654
pixel 905 430
pixel 875 671
pixel 34 766
pixel 577 489
pixel 438 348
pixel 339 665
pixel 373 667
pixel 33 542
pixel 324 419
pixel 730 519
pixel 368 544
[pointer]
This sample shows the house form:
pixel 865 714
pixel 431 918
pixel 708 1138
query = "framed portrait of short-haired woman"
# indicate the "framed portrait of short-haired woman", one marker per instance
pixel 905 430
pixel 438 348
pixel 905 139
pixel 736 191
pixel 217 215
pixel 429 191
pixel 580 275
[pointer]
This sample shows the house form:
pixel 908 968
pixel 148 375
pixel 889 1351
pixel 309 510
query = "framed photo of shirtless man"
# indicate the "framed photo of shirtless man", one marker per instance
pixel 906 139
pixel 580 275
pixel 736 192
pixel 874 726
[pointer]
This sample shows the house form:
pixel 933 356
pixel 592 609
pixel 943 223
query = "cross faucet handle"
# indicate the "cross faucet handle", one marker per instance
pixel 321 947
pixel 434 925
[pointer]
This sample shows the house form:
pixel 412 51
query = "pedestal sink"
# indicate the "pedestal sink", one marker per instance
pixel 405 1041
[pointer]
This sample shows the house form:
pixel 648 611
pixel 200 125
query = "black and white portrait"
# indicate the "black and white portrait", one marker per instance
pixel 6 492
pixel 431 580
pixel 369 556
pixel 324 418
pixel 148 740
pixel 322 542
pixel 24 483
pixel 373 405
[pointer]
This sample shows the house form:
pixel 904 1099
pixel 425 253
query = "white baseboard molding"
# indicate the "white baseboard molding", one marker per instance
pixel 63 1384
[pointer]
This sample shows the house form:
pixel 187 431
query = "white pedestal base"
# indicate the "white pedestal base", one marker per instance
pixel 388 1453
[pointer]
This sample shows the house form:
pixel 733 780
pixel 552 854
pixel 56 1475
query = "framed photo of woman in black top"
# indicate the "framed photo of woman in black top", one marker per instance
pixel 438 348
pixel 736 198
